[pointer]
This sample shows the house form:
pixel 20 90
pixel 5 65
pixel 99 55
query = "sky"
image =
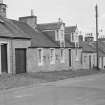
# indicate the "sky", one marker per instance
pixel 72 12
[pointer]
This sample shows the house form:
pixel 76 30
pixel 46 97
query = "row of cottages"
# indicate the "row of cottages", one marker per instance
pixel 26 46
pixel 101 45
pixel 89 54
pixel 49 49
pixel 101 53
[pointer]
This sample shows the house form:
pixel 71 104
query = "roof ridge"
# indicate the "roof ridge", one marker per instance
pixel 70 26
pixel 48 23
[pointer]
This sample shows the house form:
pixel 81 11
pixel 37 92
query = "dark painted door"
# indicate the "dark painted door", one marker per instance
pixel 102 61
pixel 69 57
pixel 4 65
pixel 89 61
pixel 20 56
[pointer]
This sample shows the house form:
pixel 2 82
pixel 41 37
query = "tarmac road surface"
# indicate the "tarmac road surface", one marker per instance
pixel 87 90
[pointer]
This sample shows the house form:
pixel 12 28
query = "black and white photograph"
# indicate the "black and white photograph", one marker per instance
pixel 52 52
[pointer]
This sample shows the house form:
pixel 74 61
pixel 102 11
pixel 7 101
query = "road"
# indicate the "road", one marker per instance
pixel 87 90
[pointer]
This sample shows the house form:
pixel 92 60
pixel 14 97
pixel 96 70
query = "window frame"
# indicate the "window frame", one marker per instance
pixel 52 56
pixel 62 55
pixel 40 62
pixel 85 57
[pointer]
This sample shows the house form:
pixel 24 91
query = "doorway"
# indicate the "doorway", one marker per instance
pixel 20 60
pixel 4 64
pixel 90 61
pixel 69 57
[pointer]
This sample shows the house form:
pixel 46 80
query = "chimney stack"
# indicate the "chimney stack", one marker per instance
pixel 30 20
pixel 32 12
pixel 2 9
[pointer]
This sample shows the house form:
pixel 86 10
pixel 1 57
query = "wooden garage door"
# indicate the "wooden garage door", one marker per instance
pixel 20 56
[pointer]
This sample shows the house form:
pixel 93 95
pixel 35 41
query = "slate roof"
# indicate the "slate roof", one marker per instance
pixel 101 47
pixel 86 47
pixel 38 38
pixel 49 26
pixel 68 43
pixel 67 36
pixel 101 39
pixel 70 29
pixel 51 36
pixel 50 33
pixel 9 30
pixel 91 48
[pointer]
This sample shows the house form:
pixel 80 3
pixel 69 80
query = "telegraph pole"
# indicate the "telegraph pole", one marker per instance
pixel 96 9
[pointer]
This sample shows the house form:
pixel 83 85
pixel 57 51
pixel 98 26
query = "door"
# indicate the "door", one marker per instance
pixel 89 61
pixel 4 65
pixel 69 57
pixel 102 62
pixel 20 56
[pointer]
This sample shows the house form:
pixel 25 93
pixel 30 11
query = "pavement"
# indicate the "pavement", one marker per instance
pixel 87 90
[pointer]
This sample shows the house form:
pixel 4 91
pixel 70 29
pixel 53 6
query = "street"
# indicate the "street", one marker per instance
pixel 86 90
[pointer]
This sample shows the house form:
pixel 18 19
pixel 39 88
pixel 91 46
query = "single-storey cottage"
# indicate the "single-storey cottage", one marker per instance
pixel 101 53
pixel 13 47
pixel 88 56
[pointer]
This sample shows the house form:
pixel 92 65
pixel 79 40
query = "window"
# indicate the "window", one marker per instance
pixel 52 56
pixel 62 44
pixel 85 57
pixel 72 37
pixel 56 35
pixel 62 55
pixel 57 57
pixel 40 57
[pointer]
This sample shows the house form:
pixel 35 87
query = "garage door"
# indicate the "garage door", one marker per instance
pixel 20 56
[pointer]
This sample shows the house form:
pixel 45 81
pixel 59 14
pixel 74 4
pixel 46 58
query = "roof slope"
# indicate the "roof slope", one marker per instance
pixel 38 38
pixel 91 48
pixel 86 47
pixel 68 43
pixel 10 30
pixel 67 37
pixel 51 36
pixel 101 47
pixel 70 29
